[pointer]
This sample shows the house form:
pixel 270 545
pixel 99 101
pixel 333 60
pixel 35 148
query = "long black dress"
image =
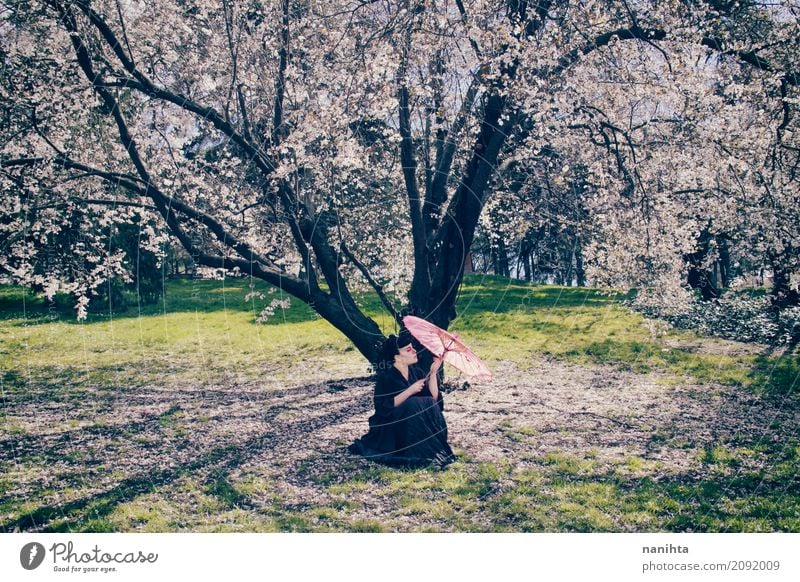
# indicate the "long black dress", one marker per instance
pixel 413 434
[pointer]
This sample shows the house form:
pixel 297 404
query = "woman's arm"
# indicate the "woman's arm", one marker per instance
pixel 433 378
pixel 415 388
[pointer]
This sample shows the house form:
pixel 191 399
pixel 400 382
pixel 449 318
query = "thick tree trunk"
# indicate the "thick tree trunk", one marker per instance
pixel 358 328
pixel 724 262
pixel 526 264
pixel 568 275
pixel 458 228
pixel 703 280
pixel 501 266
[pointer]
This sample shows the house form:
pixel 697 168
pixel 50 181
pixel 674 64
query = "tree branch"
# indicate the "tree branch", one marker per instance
pixel 421 282
pixel 228 13
pixel 437 195
pixel 751 58
pixel 245 117
pixel 143 84
pixel 97 202
pixel 373 283
pixel 146 86
pixel 633 33
pixel 280 81
pixel 165 205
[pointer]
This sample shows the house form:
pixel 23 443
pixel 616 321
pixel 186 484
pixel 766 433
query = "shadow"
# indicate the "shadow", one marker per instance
pixel 50 448
pixel 289 426
pixel 687 503
pixel 217 462
pixel 513 297
pixel 777 377
pixel 104 503
pixel 220 487
pixel 180 296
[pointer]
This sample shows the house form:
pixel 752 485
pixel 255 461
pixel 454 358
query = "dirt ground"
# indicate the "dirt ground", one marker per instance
pixel 98 448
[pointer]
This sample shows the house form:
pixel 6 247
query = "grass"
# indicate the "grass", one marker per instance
pixel 206 329
pixel 202 328
pixel 514 321
pixel 561 492
pixel 204 334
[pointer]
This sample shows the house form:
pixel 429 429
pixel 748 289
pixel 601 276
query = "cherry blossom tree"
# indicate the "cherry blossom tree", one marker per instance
pixel 336 146
pixel 702 153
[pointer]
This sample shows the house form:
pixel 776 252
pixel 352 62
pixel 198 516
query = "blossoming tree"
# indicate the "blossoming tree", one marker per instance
pixel 325 147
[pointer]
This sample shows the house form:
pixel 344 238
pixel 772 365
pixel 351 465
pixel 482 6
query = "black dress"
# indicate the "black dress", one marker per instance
pixel 413 434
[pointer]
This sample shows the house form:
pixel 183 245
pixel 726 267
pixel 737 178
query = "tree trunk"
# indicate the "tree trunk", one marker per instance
pixel 358 328
pixel 724 262
pixel 782 295
pixel 698 277
pixel 570 258
pixel 457 231
pixel 580 274
pixel 526 265
pixel 502 259
pixel 702 279
pixel 524 261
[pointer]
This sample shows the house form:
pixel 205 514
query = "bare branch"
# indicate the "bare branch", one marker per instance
pixel 371 280
pixel 751 58
pixel 280 81
pixel 633 33
pixel 95 202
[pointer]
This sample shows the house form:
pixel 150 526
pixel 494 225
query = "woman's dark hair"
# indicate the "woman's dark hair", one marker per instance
pixel 391 347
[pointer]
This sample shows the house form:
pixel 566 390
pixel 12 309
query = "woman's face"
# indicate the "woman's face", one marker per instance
pixel 407 355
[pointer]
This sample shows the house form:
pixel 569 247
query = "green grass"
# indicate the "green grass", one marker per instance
pixel 201 329
pixel 513 321
pixel 561 492
pixel 205 327
pixel 203 332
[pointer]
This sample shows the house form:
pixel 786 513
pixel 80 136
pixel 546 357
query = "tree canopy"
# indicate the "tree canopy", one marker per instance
pixel 337 146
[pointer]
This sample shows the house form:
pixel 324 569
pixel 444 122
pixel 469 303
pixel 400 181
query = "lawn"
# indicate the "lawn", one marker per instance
pixel 189 415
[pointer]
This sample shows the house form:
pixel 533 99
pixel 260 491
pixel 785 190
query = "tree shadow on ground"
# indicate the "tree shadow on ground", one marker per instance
pixel 687 502
pixel 495 299
pixel 210 464
pixel 477 295
pixel 779 376
pixel 537 456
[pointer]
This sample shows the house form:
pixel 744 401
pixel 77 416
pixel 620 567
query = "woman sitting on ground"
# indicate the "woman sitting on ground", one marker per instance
pixel 408 427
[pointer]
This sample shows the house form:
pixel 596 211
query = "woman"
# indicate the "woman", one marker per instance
pixel 408 427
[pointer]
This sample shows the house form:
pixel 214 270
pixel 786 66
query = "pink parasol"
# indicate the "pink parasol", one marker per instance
pixel 447 346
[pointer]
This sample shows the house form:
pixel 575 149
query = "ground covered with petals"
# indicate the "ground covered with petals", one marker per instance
pixel 199 419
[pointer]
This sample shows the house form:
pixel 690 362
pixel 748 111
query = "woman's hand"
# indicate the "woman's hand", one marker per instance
pixel 433 376
pixel 416 387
